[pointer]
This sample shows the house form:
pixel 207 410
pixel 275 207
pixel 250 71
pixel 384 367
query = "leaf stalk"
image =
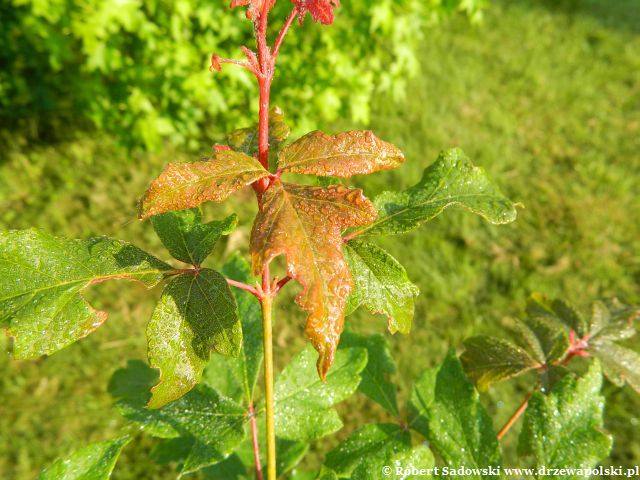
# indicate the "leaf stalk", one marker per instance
pixel 516 415
pixel 255 442
pixel 247 288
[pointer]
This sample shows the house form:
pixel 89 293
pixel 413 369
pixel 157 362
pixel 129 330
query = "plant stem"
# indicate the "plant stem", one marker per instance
pixel 263 131
pixel 264 81
pixel 282 34
pixel 254 440
pixel 267 330
pixel 516 415
pixel 243 286
pixel 267 60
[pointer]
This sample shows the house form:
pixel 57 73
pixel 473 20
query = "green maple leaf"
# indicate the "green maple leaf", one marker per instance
pixel 564 428
pixel 196 315
pixel 93 462
pixel 41 282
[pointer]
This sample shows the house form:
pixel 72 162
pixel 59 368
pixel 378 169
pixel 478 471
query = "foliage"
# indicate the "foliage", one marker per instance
pixel 63 189
pixel 187 185
pixel 375 383
pixel 187 238
pixel 304 402
pixel 41 280
pixel 562 427
pixel 451 180
pixel 551 336
pixel 212 443
pixel 446 409
pixel 95 462
pixel 196 315
pixel 212 424
pixel 381 284
pixel 342 155
pixel 129 68
pixel 304 223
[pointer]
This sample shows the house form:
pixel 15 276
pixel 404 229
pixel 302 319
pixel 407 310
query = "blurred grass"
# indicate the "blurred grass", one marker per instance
pixel 544 95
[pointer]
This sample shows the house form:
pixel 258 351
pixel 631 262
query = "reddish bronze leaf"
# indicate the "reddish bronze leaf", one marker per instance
pixel 304 224
pixel 341 155
pixel 187 185
pixel 320 10
pixel 255 6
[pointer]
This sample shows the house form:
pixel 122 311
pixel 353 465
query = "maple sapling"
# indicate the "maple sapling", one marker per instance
pixel 199 404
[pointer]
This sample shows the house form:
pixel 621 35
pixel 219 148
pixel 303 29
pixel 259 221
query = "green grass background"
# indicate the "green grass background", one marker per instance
pixel 544 94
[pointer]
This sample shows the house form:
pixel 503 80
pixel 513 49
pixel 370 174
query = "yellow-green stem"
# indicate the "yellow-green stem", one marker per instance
pixel 267 330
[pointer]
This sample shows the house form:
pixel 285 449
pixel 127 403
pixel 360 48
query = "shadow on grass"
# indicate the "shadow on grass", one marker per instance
pixel 613 14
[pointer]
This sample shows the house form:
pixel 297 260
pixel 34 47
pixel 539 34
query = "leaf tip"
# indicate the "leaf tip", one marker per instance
pixel 324 364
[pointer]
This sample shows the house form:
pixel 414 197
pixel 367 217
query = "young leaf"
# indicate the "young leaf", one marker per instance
pixel 196 315
pixel 538 306
pixel 95 462
pixel 564 429
pixel 342 155
pixel 611 322
pixel 214 422
pixel 451 180
pixel 550 376
pixel 381 284
pixel 544 339
pixel 320 10
pixel 375 384
pixel 41 283
pixel 619 364
pixel 187 185
pixel 363 454
pixel 236 377
pixel 245 140
pixel 187 238
pixel 304 224
pixel 490 360
pixel 446 409
pixel 304 404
